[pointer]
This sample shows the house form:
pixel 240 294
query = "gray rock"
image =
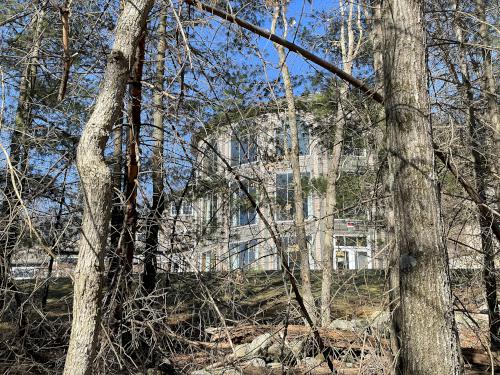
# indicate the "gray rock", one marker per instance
pixel 228 371
pixel 296 347
pixel 261 343
pixel 275 365
pixel 200 372
pixel 346 325
pixel 242 350
pixel 381 321
pixel 311 362
pixel 256 362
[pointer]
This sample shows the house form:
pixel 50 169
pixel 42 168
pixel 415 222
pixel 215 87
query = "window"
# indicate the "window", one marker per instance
pixel 182 208
pixel 210 210
pixel 210 159
pixel 285 197
pixel 242 254
pixel 207 262
pixel 242 210
pixel 243 148
pixel 303 139
pixel 361 259
pixel 352 241
pixel 342 258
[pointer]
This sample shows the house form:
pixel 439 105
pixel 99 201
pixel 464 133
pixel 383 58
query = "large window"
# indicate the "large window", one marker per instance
pixel 242 254
pixel 303 139
pixel 242 210
pixel 285 197
pixel 181 208
pixel 210 210
pixel 210 159
pixel 243 147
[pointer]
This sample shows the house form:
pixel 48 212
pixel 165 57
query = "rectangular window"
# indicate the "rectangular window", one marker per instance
pixel 210 210
pixel 285 197
pixel 303 139
pixel 242 210
pixel 242 254
pixel 361 259
pixel 352 241
pixel 243 148
pixel 182 208
pixel 210 158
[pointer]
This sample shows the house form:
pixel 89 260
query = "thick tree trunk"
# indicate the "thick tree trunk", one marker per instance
pixel 155 216
pixel 293 155
pixel 425 319
pixel 96 186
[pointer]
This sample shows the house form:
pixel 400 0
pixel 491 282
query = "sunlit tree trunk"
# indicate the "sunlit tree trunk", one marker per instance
pixel 293 155
pixel 478 138
pixel 96 185
pixel 426 325
pixel 349 49
pixel 155 216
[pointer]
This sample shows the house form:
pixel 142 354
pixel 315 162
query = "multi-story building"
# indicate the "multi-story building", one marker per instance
pixel 231 234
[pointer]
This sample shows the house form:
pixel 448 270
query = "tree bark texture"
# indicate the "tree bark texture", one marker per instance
pixel 293 155
pixel 155 216
pixel 426 318
pixel 478 138
pixel 96 185
pixel 349 48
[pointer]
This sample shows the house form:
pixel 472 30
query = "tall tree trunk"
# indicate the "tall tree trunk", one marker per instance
pixel 117 209
pixel 96 186
pixel 425 319
pixel 478 137
pixel 489 89
pixel 299 220
pixel 18 154
pixel 349 51
pixel 155 216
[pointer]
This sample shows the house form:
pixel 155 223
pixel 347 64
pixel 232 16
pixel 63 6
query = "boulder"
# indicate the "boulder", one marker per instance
pixel 242 350
pixel 256 362
pixel 346 325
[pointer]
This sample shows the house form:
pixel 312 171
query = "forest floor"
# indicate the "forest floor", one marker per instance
pixel 207 319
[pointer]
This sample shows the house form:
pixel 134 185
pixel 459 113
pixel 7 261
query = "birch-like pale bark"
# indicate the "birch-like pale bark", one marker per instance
pixel 96 184
pixel 425 323
pixel 349 50
pixel 299 220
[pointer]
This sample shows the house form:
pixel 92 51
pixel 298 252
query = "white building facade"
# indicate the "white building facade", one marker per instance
pixel 232 234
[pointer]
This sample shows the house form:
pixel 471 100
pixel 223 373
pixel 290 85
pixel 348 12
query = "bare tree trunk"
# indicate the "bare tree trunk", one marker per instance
pixel 117 209
pixel 490 89
pixel 96 186
pixel 478 136
pixel 299 220
pixel 156 214
pixel 349 51
pixel 425 319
